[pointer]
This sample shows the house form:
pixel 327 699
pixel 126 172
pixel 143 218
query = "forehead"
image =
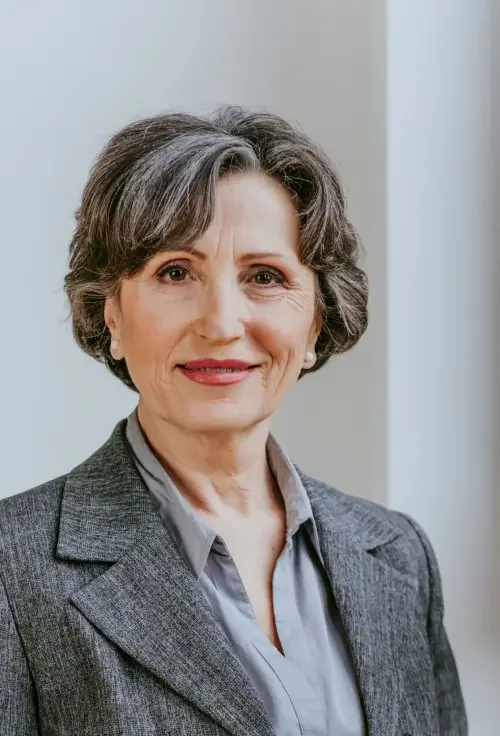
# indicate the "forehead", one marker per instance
pixel 253 214
pixel 255 206
pixel 251 189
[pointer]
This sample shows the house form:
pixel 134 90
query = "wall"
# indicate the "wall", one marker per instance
pixel 495 198
pixel 75 74
pixel 443 339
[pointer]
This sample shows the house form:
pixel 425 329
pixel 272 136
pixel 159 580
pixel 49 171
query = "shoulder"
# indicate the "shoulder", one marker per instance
pixel 392 536
pixel 404 524
pixel 362 510
pixel 35 512
pixel 412 535
pixel 42 499
pixel 30 518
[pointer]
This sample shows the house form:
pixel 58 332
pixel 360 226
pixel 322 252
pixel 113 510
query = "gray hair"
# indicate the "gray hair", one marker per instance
pixel 152 189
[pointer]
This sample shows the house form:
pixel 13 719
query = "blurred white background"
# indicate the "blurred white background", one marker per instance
pixel 405 96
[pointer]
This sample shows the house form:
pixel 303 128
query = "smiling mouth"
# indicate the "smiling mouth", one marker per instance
pixel 217 364
pixel 218 370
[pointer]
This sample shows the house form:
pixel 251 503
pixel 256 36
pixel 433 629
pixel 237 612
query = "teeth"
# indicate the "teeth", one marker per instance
pixel 219 370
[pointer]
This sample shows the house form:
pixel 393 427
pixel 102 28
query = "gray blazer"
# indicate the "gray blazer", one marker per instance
pixel 103 631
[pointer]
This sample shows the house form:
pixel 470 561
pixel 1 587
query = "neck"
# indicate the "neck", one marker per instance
pixel 218 472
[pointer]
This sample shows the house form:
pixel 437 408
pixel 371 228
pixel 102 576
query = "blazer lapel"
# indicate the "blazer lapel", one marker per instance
pixel 148 602
pixel 376 601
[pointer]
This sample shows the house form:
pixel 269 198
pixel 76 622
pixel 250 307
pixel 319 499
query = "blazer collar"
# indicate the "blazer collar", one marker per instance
pixel 149 605
pixel 106 507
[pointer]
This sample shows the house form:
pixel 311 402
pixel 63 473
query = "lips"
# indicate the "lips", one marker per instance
pixel 211 372
pixel 210 364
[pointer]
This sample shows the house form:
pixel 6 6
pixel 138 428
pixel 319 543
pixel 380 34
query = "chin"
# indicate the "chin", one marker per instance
pixel 219 418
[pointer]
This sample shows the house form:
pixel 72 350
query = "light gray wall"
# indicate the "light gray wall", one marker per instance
pixel 74 73
pixel 495 199
pixel 442 252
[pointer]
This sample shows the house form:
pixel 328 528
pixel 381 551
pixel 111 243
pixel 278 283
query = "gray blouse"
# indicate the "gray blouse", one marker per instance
pixel 310 690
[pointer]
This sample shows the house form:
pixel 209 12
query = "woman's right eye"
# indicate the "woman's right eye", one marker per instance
pixel 173 272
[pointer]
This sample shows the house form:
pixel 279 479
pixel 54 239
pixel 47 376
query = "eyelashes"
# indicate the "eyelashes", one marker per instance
pixel 172 268
pixel 178 273
pixel 270 272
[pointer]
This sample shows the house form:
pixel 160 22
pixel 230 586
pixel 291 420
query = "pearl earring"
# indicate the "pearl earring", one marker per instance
pixel 114 344
pixel 309 357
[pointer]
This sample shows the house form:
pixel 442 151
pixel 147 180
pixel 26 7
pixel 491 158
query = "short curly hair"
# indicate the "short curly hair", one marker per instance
pixel 152 188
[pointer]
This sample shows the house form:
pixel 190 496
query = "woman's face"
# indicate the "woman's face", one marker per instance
pixel 241 294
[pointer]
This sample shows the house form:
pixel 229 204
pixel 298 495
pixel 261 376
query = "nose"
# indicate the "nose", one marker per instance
pixel 222 312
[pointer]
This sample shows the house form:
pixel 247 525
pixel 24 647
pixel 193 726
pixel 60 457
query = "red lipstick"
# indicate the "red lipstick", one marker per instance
pixel 213 372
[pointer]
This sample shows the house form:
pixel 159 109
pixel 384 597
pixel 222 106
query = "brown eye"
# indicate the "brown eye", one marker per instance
pixel 174 272
pixel 268 277
pixel 177 274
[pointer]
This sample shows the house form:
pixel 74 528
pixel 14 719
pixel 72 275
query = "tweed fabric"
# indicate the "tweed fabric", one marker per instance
pixel 103 631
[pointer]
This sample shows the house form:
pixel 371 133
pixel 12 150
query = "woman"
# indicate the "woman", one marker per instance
pixel 187 578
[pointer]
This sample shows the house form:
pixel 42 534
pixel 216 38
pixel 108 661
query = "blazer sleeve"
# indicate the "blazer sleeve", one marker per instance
pixel 17 693
pixel 452 713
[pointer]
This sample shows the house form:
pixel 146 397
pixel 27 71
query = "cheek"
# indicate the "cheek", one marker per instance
pixel 149 330
pixel 284 332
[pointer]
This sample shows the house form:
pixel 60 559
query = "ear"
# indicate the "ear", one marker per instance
pixel 310 356
pixel 112 318
pixel 315 330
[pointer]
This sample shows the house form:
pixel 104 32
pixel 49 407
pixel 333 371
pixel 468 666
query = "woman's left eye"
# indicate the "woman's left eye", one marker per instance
pixel 268 277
